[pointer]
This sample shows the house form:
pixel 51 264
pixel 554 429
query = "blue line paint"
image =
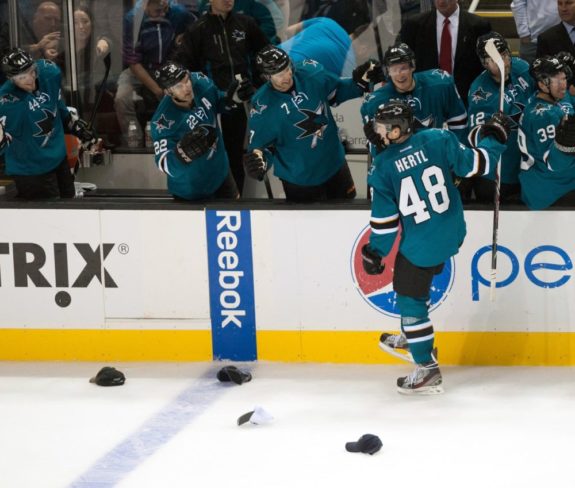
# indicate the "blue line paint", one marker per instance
pixel 153 434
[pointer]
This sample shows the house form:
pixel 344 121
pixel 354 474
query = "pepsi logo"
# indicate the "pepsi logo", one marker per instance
pixel 377 290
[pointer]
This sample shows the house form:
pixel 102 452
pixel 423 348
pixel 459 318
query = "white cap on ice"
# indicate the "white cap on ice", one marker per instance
pixel 257 416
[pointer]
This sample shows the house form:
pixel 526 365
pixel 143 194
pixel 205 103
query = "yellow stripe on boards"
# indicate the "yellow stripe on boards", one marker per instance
pixel 455 348
pixel 105 345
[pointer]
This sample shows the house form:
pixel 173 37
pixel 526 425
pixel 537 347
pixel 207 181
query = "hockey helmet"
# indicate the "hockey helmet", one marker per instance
pixel 395 114
pixel 272 60
pixel 16 61
pixel 398 53
pixel 170 74
pixel 499 41
pixel 546 67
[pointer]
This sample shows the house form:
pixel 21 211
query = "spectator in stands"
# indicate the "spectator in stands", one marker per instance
pixel 222 44
pixel 547 170
pixel 157 26
pixel 562 36
pixel 42 36
pixel 427 33
pixel 89 52
pixel 532 17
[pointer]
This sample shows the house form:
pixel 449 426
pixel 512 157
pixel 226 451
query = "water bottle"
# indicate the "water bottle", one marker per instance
pixel 133 134
pixel 148 134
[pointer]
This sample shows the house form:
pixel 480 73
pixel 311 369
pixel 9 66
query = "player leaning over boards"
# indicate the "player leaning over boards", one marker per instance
pixel 33 120
pixel 188 142
pixel 431 94
pixel 291 119
pixel 484 101
pixel 412 186
pixel 546 140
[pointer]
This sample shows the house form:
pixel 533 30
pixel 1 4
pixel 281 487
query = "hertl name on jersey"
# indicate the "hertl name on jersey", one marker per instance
pixel 410 161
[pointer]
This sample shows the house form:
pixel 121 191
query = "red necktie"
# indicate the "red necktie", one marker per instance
pixel 445 48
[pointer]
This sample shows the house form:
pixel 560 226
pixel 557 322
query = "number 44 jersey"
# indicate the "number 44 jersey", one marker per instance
pixel 412 184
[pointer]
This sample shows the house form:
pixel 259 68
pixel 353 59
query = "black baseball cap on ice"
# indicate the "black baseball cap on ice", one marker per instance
pixel 109 376
pixel 367 443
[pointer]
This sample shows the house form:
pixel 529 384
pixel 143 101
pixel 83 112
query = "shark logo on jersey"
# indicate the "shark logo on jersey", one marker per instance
pixel 541 108
pixel 311 62
pixel 162 123
pixel 313 125
pixel 258 110
pixel 46 125
pixel 566 107
pixel 480 95
pixel 8 98
pixel 238 35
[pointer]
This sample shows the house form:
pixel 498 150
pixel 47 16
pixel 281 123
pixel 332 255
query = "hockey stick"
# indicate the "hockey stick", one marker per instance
pixel 247 109
pixel 102 87
pixel 494 54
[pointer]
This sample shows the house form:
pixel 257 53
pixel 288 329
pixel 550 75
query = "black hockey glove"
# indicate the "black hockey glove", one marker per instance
pixel 371 261
pixel 368 73
pixel 373 137
pixel 80 129
pixel 255 165
pixel 565 134
pixel 498 126
pixel 196 143
pixel 239 91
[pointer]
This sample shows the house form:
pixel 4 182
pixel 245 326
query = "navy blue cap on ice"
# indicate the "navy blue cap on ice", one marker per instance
pixel 367 443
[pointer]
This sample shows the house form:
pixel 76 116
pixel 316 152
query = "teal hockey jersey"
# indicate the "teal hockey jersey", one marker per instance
pixel 412 186
pixel 34 123
pixel 203 176
pixel 484 102
pixel 299 126
pixel 546 173
pixel 434 102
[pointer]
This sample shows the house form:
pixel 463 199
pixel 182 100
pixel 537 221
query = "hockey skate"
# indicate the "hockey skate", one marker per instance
pixel 425 380
pixel 396 345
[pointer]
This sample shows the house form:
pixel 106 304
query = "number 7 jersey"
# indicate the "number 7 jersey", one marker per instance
pixel 412 185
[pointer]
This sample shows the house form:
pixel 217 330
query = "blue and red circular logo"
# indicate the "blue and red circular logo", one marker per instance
pixel 378 290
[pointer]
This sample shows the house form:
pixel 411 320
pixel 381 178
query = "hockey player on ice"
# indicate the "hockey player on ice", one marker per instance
pixel 291 125
pixel 411 185
pixel 547 147
pixel 431 94
pixel 188 143
pixel 484 102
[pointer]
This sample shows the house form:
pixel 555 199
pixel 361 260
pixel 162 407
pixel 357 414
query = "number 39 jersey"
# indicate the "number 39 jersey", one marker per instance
pixel 412 185
pixel 545 175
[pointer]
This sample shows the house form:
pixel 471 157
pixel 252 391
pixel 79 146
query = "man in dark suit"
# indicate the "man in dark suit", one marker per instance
pixel 424 33
pixel 561 36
